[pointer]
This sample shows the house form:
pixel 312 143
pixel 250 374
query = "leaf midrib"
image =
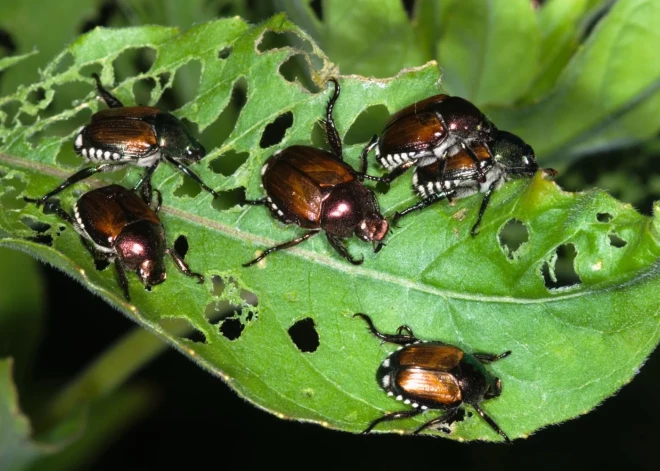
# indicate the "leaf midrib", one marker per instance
pixel 338 265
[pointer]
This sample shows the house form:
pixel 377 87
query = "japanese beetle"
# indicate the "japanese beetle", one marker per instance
pixel 115 224
pixel 133 135
pixel 317 190
pixel 428 131
pixel 434 375
pixel 505 157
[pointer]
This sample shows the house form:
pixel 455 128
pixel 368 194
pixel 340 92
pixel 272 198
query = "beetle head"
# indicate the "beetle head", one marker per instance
pixel 372 228
pixel 514 154
pixel 494 388
pixel 141 248
pixel 466 120
pixel 176 141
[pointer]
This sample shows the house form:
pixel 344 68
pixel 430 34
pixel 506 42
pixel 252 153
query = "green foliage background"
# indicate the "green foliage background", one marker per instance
pixel 577 79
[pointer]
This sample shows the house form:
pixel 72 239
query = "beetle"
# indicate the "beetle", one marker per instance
pixel 133 135
pixel 115 224
pixel 429 375
pixel 318 191
pixel 429 131
pixel 505 157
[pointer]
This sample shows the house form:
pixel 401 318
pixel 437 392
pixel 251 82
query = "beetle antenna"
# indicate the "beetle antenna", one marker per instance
pixel 491 422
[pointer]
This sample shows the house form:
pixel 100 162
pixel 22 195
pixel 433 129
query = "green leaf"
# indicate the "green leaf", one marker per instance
pixel 562 24
pixel 489 51
pixel 573 346
pixel 608 94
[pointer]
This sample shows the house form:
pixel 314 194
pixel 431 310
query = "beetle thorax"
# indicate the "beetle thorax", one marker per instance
pixel 346 209
pixel 473 381
pixel 141 248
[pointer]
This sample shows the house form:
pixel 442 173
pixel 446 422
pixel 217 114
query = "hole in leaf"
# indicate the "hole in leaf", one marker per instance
pixel 249 298
pixel 275 40
pixel 184 86
pixel 64 63
pixel 232 328
pixel 11 188
pixel 181 245
pixel 225 52
pixel 229 199
pixel 44 239
pixel 229 162
pixel 196 336
pixel 36 95
pixel 274 132
pixel 371 121
pixel 218 132
pixel 11 110
pixel 304 335
pixel 512 236
pixel 295 69
pixel 218 285
pixel 604 217
pixel 130 63
pixel 317 8
pixel 559 271
pixel 142 90
pixel 189 189
pixel 319 137
pixel 101 263
pixel 35 225
pixel 616 241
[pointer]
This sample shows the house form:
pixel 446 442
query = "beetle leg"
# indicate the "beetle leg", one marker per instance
pixel 404 414
pixel 78 176
pixel 421 205
pixel 342 250
pixel 477 162
pixel 363 156
pixel 488 358
pixel 109 99
pixel 123 281
pixel 260 201
pixel 190 174
pixel 491 422
pixel 445 418
pixel 144 182
pixel 398 339
pixel 397 172
pixel 406 329
pixel 159 199
pixel 330 130
pixel 283 246
pixel 183 266
pixel 482 209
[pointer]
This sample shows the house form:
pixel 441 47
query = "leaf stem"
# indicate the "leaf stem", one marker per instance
pixel 111 369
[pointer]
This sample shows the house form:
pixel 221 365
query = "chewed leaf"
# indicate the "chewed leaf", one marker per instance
pixel 544 278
